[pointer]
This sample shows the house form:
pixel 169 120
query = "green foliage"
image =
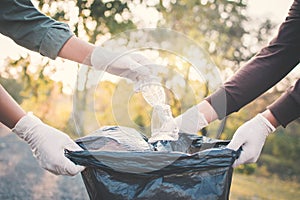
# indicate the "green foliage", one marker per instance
pixel 13 87
pixel 31 86
pixel 35 82
pixel 281 154
pixel 247 169
pixel 218 25
pixel 107 15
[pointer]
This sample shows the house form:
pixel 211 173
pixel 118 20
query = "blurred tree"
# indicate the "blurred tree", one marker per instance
pixel 90 19
pixel 31 86
pixel 98 18
pixel 220 26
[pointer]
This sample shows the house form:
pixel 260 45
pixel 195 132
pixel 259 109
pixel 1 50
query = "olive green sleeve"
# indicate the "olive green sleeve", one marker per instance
pixel 23 23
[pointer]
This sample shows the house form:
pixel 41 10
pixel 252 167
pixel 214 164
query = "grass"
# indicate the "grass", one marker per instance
pixel 246 187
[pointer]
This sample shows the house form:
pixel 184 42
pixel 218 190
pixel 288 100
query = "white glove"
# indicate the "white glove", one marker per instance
pixel 251 137
pixel 48 145
pixel 130 66
pixel 191 121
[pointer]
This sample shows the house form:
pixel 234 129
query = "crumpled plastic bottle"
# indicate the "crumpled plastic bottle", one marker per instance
pixel 163 125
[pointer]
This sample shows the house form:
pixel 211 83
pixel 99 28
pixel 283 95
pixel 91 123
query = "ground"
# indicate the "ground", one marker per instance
pixel 22 178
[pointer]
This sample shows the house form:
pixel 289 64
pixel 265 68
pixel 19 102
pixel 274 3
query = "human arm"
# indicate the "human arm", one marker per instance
pixel 283 111
pixel 47 143
pixel 23 23
pixel 251 136
pixel 287 107
pixel 28 27
pixel 267 68
pixel 10 112
pixel 77 50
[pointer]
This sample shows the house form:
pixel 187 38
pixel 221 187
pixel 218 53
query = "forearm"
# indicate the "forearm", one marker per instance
pixel 266 69
pixel 77 50
pixel 210 114
pixel 10 111
pixel 286 108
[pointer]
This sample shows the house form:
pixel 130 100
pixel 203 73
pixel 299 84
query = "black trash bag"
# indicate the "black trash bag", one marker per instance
pixel 113 138
pixel 192 168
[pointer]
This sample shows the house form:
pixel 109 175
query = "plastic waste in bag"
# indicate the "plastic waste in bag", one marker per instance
pixel 163 125
pixel 115 139
pixel 191 168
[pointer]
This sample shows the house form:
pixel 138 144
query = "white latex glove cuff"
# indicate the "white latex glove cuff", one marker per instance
pixel 267 123
pixel 191 121
pixel 101 58
pixel 25 124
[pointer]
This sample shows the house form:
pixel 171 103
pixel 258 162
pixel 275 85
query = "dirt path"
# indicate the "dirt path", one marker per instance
pixel 22 178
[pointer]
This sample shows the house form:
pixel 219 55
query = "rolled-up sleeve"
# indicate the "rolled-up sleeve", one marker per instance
pixel 23 23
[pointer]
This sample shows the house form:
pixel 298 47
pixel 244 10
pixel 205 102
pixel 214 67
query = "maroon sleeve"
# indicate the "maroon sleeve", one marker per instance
pixel 287 107
pixel 262 72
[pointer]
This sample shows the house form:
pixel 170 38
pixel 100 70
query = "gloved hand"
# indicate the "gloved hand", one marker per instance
pixel 47 145
pixel 251 137
pixel 130 66
pixel 191 121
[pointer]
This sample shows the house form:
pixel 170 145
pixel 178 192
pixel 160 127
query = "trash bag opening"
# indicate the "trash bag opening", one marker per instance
pixel 193 167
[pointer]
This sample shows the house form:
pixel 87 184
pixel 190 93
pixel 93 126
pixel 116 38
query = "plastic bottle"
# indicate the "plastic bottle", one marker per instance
pixel 163 125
